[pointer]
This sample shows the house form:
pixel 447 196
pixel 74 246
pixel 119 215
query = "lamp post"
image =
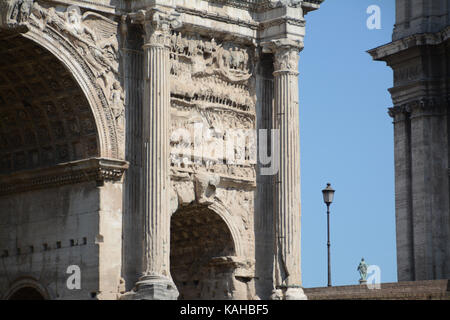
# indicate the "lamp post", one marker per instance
pixel 328 194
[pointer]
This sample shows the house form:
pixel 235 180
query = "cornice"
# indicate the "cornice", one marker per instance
pixel 94 169
pixel 265 5
pixel 91 5
pixel 218 17
pixel 383 52
pixel 253 23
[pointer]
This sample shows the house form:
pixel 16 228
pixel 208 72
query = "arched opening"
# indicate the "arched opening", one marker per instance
pixel 45 118
pixel 26 293
pixel 201 247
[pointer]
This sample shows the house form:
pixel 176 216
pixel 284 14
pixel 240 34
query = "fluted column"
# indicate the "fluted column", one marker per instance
pixel 264 200
pixel 287 269
pixel 156 281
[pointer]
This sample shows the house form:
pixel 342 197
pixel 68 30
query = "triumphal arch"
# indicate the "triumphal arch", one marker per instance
pixel 149 149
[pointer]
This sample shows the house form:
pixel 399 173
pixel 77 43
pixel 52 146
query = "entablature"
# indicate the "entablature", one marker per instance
pixel 248 20
pixel 245 21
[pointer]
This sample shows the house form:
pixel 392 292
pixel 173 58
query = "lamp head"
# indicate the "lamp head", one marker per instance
pixel 328 194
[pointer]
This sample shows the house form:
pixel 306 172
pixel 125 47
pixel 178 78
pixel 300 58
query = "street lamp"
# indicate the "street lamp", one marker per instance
pixel 328 195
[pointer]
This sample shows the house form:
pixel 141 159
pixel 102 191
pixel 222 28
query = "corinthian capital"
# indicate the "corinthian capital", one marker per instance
pixel 285 54
pixel 157 24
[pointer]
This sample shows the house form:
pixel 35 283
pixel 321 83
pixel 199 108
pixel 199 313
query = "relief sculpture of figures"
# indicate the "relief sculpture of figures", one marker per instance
pixel 21 11
pixel 209 57
pixel 150 150
pixel 117 104
pixel 93 35
pixel 15 13
pixel 130 146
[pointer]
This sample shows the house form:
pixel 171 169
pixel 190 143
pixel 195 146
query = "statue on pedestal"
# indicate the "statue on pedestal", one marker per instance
pixel 362 268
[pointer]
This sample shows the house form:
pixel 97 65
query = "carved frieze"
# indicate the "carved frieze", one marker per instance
pixel 213 105
pixel 262 5
pixel 207 57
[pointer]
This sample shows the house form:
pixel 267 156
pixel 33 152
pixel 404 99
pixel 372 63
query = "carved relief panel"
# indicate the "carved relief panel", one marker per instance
pixel 213 101
pixel 213 121
pixel 92 40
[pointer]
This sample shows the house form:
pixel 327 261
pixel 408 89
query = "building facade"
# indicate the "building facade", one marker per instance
pixel 419 56
pixel 130 142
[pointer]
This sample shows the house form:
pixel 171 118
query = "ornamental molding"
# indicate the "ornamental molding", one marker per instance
pixel 265 5
pixel 250 24
pixel 219 17
pixel 94 169
pixel 421 107
pixel 298 22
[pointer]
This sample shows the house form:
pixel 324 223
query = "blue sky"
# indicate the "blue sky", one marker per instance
pixel 347 140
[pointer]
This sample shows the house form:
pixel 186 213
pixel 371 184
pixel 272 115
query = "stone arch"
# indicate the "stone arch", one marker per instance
pixel 45 117
pixel 236 232
pixel 27 289
pixel 75 71
pixel 202 254
pixel 98 99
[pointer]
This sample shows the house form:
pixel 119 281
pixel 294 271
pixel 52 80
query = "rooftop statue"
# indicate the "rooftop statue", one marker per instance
pixel 362 268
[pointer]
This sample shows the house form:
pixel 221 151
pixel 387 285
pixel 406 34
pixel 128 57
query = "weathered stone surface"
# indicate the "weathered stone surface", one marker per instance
pixel 418 56
pixel 403 290
pixel 128 148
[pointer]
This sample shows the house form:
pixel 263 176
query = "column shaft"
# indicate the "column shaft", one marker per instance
pixel 156 282
pixel 403 197
pixel 264 233
pixel 156 156
pixel 285 119
pixel 287 181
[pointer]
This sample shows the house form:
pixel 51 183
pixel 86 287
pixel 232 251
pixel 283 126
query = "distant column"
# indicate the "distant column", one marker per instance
pixel 403 193
pixel 287 269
